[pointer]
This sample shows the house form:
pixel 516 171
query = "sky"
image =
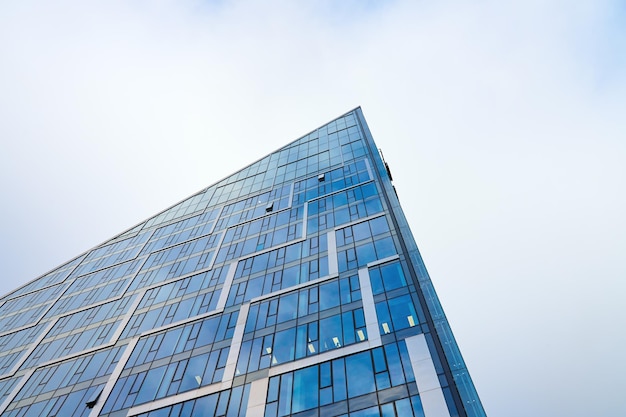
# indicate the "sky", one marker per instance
pixel 503 124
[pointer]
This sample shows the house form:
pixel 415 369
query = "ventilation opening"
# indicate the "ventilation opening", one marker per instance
pixel 93 399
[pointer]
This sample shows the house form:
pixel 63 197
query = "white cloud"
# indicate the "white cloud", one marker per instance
pixel 501 122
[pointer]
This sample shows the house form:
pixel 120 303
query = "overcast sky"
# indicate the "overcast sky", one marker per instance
pixel 504 124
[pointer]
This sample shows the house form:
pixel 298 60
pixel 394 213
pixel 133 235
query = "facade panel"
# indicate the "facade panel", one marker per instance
pixel 290 288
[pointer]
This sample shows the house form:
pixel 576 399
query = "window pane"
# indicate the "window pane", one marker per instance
pixel 361 231
pixel 284 404
pixel 402 312
pixel 194 372
pixel 379 225
pixel 368 412
pixel 365 253
pixel 287 309
pixel 404 407
pixel 329 295
pixel 384 320
pixel 284 346
pixel 205 406
pixel 360 374
pixel 305 389
pixel 376 281
pixel 330 333
pixel 339 380
pixel 150 385
pixel 385 247
pixel 272 391
pixel 393 276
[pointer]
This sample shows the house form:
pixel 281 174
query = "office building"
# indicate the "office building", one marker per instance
pixel 291 288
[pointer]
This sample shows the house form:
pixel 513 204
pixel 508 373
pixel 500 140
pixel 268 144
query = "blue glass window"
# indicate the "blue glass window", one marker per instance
pixel 387 277
pixel 360 375
pixel 305 389
pixel 229 403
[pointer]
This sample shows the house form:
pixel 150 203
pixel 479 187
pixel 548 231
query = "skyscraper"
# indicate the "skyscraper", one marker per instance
pixel 292 287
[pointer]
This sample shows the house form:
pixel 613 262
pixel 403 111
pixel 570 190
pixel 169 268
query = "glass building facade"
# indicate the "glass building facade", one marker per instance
pixel 291 288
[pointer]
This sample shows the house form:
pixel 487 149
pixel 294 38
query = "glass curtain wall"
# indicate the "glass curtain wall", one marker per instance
pixel 291 288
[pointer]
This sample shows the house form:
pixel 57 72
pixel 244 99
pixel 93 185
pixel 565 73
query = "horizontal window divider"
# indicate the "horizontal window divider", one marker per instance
pixel 177 398
pixel 147 255
pixel 270 213
pixel 294 288
pixel 383 261
pixel 182 322
pixel 364 219
pixel 340 191
pixel 323 357
pixel 171 280
pixel 261 252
